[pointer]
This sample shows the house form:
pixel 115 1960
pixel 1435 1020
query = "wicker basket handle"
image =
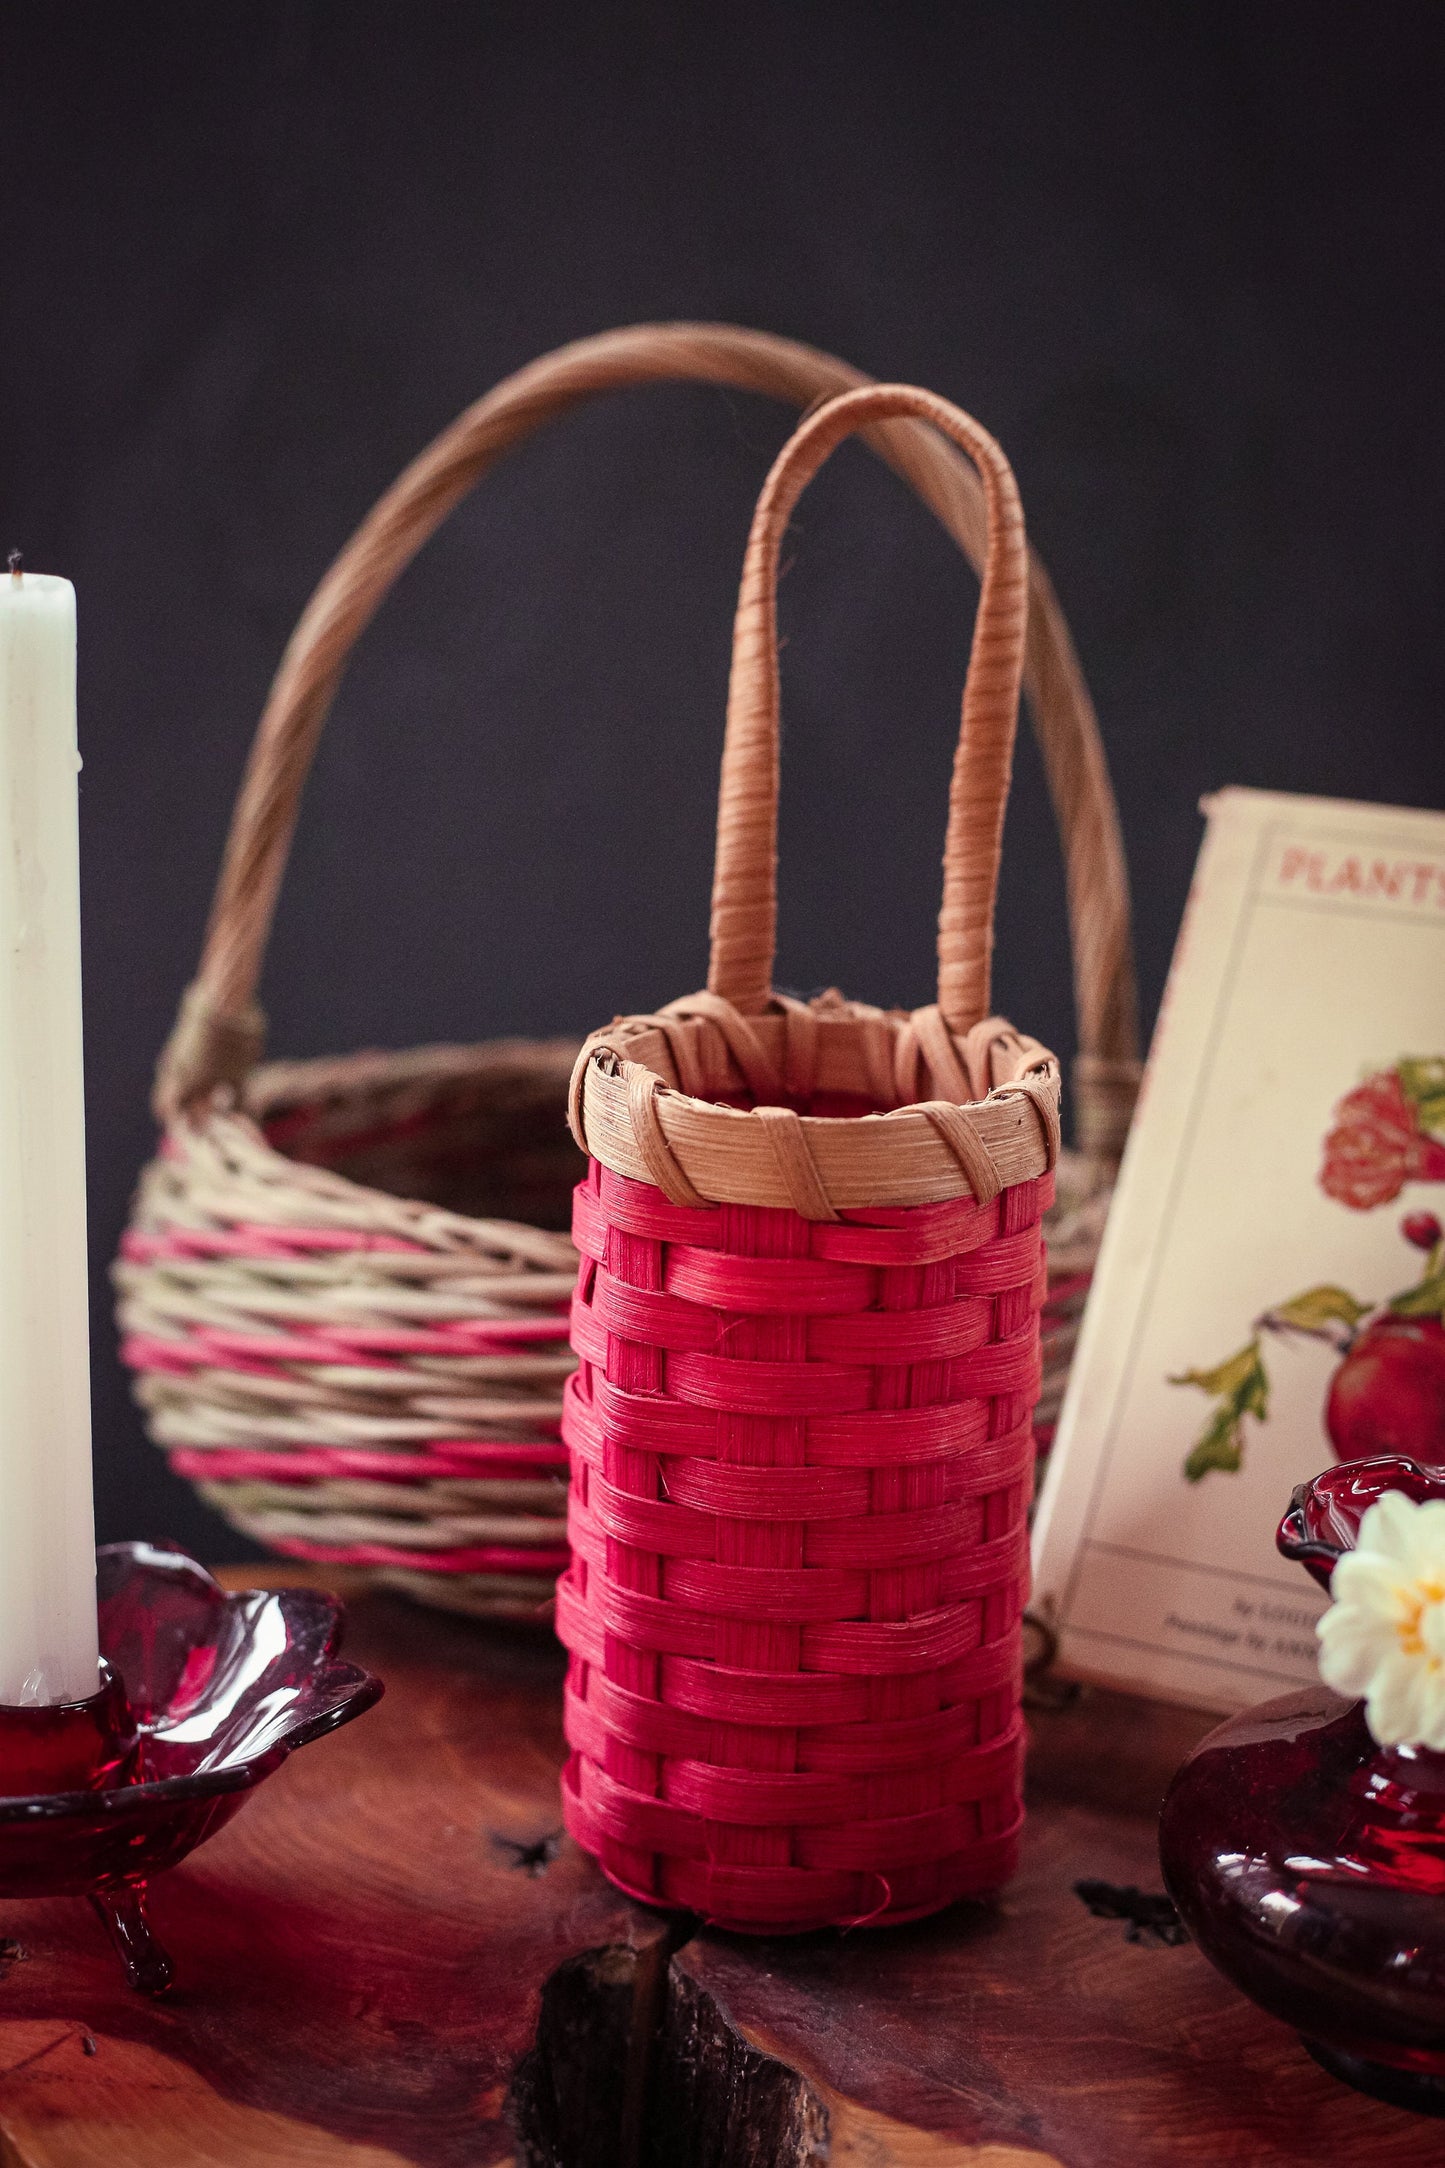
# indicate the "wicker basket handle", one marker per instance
pixel 744 897
pixel 219 1032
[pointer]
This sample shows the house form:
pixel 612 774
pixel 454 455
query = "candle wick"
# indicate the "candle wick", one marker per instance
pixel 17 565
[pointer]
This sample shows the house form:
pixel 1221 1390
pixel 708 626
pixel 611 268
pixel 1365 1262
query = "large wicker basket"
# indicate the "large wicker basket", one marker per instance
pixel 807 1323
pixel 343 1290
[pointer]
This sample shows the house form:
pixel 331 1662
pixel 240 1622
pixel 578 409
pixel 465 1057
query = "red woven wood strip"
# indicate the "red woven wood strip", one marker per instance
pixel 810 1389
pixel 792 1900
pixel 855 1648
pixel 818 1799
pixel 901 1742
pixel 892 1539
pixel 826 1798
pixel 766 1391
pixel 590 1613
pixel 817 1670
pixel 459 1558
pixel 768 1283
pixel 1013 1262
pixel 861 1440
pixel 653 1523
pixel 955 1433
pixel 936 1333
pixel 933 1332
pixel 890 1647
pixel 816 1589
pixel 661 1321
pixel 596 1408
pixel 780 1494
pixel 812 1700
pixel 913 1851
pixel 892 1236
pixel 748 1598
pixel 914 1234
pixel 475 1461
pixel 789 1894
pixel 750 1698
pixel 831 1493
pixel 849 1744
pixel 606 1201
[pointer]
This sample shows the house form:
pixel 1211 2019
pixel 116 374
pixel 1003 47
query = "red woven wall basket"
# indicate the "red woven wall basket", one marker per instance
pixel 807 1328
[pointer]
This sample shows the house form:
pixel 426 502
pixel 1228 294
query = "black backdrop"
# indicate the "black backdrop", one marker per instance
pixel 1186 263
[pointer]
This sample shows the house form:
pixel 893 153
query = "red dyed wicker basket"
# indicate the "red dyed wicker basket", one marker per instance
pixel 807 1326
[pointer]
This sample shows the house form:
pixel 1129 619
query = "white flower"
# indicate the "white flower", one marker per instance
pixel 1384 1633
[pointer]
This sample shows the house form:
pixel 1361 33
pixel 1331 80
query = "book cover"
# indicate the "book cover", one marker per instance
pixel 1270 1294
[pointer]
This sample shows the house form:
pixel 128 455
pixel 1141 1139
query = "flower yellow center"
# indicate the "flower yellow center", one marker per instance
pixel 1408 1626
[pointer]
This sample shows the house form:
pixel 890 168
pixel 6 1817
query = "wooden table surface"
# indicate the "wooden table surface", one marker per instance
pixel 392 1956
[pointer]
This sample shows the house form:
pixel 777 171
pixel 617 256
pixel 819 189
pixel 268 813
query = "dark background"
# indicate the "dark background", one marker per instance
pixel 1186 262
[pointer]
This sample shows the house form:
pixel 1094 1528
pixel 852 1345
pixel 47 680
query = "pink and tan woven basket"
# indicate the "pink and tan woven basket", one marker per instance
pixel 343 1290
pixel 807 1329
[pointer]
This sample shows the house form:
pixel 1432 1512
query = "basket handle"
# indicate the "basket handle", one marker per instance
pixel 744 896
pixel 219 1033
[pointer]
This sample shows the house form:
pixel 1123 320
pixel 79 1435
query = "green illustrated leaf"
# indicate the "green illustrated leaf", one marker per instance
pixel 1240 1387
pixel 1220 1445
pixel 1422 1080
pixel 1318 1307
pixel 1426 1300
pixel 1235 1374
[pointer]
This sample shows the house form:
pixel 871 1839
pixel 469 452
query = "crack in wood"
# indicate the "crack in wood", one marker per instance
pixel 636 2066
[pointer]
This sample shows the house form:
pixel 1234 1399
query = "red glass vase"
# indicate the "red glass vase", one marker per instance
pixel 1308 1862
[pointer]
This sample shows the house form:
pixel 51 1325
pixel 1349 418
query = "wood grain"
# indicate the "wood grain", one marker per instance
pixel 358 1954
pixel 130 2106
pixel 369 1973
pixel 1035 2033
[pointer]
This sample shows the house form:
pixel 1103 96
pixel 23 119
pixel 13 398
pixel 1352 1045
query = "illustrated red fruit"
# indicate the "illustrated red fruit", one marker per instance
pixel 1388 1395
pixel 1421 1228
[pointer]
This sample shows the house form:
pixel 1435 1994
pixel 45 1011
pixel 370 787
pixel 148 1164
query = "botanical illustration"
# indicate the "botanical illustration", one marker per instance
pixel 1386 1394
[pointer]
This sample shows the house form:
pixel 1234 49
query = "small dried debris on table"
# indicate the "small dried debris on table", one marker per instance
pixel 533 1858
pixel 1151 1917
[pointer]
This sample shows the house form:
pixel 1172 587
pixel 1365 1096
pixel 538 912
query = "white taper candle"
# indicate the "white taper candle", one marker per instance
pixel 47 1532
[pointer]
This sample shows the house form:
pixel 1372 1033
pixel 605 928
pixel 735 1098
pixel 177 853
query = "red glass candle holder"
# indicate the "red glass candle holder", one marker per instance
pixel 202 1696
pixel 1308 1862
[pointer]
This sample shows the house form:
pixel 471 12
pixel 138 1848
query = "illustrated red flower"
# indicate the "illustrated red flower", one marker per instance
pixel 1381 1138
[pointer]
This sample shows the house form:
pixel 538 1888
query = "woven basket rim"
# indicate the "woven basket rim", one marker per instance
pixel 283 1080
pixel 275 1086
pixel 646 1090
